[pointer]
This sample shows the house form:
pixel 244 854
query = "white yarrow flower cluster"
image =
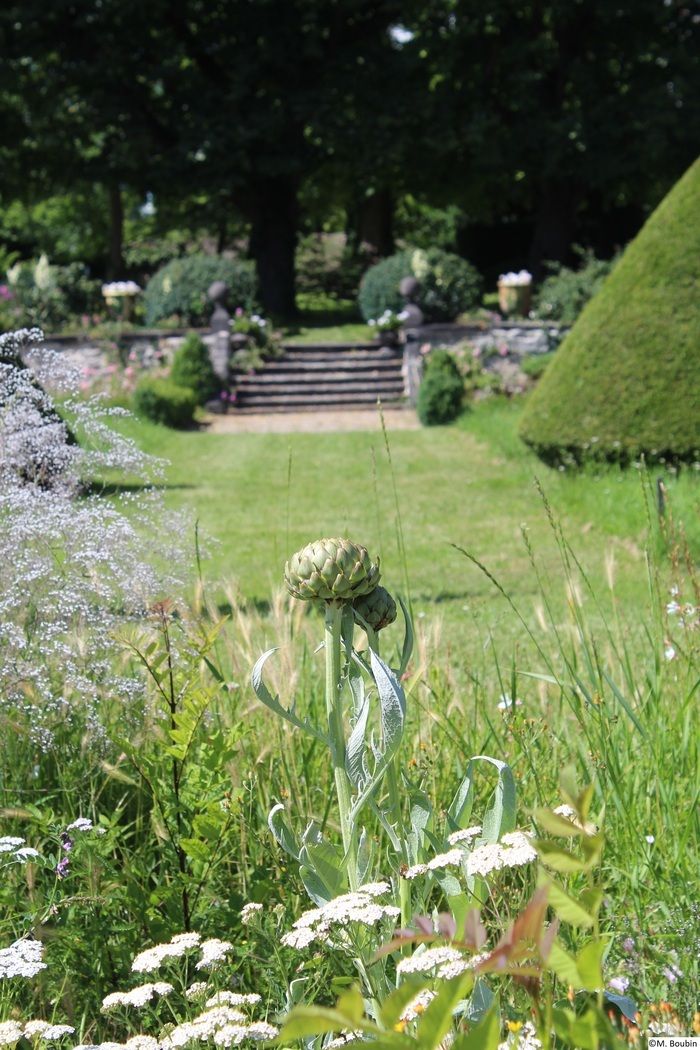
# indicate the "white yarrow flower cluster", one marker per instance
pixel 360 906
pixel 233 1034
pixel 233 999
pixel 15 849
pixel 22 959
pixel 418 1005
pixel 45 1031
pixel 465 835
pixel 249 911
pixel 152 958
pixel 513 850
pixel 203 1027
pixel 213 951
pixel 137 996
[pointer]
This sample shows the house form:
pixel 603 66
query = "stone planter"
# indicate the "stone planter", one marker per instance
pixel 514 299
pixel 390 338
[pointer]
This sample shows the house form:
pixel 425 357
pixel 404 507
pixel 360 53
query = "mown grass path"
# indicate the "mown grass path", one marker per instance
pixel 261 496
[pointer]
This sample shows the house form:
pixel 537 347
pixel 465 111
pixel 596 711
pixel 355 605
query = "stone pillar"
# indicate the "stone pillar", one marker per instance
pixel 412 368
pixel 220 324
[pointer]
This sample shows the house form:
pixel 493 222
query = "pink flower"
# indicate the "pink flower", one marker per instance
pixel 476 352
pixel 132 355
pixel 128 371
pixel 239 311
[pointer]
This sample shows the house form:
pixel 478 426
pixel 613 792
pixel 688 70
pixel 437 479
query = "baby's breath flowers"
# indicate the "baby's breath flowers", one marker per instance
pixel 360 907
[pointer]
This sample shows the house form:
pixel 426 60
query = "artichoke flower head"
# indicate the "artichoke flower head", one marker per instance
pixel 331 570
pixel 377 609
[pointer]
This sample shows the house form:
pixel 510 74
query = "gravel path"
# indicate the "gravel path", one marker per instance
pixel 312 422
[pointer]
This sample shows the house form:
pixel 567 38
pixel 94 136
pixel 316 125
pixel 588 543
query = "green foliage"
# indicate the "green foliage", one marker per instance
pixel 563 295
pixel 163 401
pixel 50 296
pixel 448 284
pixel 180 288
pixel 536 365
pixel 192 368
pixel 441 393
pixel 325 264
pixel 625 380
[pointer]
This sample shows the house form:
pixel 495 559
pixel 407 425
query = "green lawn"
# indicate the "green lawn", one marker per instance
pixel 261 496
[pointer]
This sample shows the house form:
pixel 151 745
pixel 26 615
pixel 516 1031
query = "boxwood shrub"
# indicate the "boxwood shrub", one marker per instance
pixel 163 401
pixel 192 368
pixel 441 393
pixel 449 285
pixel 625 381
pixel 179 289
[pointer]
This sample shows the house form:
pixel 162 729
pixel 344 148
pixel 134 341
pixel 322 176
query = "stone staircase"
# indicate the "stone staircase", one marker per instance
pixel 314 377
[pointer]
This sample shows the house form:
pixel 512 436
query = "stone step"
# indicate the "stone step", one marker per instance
pixel 264 387
pixel 296 402
pixel 338 364
pixel 259 410
pixel 348 356
pixel 334 347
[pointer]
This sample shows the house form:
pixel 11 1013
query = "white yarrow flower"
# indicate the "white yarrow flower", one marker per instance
pixel 428 960
pixel 10 1033
pixel 22 959
pixel 249 911
pixel 213 952
pixel 466 835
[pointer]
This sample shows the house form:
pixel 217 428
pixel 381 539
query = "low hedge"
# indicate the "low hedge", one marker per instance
pixel 163 401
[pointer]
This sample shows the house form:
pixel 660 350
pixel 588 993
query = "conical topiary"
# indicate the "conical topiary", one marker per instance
pixel 626 380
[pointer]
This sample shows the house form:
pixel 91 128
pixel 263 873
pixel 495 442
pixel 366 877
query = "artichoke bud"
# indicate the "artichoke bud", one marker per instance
pixel 331 570
pixel 377 609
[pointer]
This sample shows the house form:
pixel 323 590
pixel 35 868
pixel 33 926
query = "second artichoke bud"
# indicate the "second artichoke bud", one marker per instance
pixel 331 570
pixel 377 609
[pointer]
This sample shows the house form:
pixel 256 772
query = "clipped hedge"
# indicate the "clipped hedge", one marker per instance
pixel 192 368
pixel 449 285
pixel 441 393
pixel 179 289
pixel 163 401
pixel 626 380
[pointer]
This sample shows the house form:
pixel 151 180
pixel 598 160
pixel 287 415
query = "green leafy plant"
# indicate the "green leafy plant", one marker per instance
pixel 448 284
pixel 563 295
pixel 192 368
pixel 441 393
pixel 180 288
pixel 163 401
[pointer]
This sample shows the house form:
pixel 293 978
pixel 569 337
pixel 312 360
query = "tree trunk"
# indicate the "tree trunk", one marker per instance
pixel 273 240
pixel 554 225
pixel 115 261
pixel 375 225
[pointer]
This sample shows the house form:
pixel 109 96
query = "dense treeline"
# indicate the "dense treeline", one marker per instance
pixel 531 126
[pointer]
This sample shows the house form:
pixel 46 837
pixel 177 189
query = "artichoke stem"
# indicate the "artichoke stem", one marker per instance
pixel 336 733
